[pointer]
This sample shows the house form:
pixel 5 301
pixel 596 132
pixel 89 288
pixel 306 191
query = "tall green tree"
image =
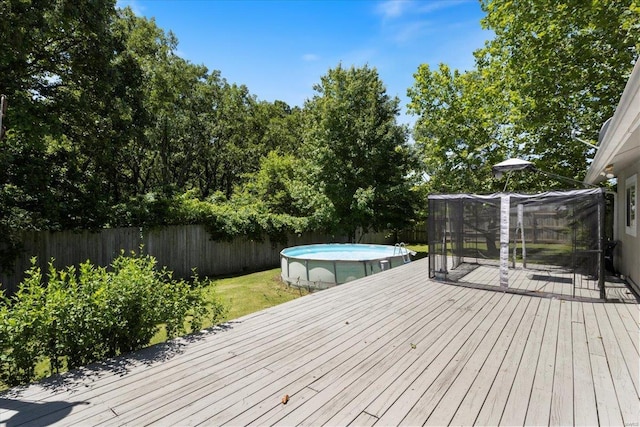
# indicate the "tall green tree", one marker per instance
pixel 176 100
pixel 461 130
pixel 360 156
pixel 56 71
pixel 236 130
pixel 145 62
pixel 281 185
pixel 569 62
pixel 284 130
pixel 552 67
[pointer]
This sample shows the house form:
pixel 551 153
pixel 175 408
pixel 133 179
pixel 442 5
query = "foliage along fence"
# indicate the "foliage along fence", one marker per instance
pixel 179 248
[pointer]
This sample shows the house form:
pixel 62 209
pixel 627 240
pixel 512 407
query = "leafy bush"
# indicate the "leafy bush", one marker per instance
pixel 223 219
pixel 87 314
pixel 228 219
pixel 20 327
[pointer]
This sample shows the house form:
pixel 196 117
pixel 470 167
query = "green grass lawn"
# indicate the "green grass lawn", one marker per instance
pixel 253 292
pixel 421 250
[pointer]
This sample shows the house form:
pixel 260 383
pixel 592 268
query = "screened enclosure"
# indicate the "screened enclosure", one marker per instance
pixel 556 237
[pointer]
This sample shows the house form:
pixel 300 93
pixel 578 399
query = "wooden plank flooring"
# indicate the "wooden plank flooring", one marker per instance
pixel 391 349
pixel 553 282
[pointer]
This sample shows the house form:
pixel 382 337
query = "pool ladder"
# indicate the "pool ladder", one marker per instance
pixel 401 249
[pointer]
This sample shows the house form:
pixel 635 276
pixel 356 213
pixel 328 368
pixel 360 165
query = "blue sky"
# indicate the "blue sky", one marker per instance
pixel 280 49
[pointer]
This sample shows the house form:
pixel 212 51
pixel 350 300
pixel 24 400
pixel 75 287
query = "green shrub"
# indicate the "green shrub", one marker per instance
pixel 87 314
pixel 20 326
pixel 224 220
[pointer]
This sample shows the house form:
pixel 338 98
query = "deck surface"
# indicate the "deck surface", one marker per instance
pixel 552 282
pixel 391 349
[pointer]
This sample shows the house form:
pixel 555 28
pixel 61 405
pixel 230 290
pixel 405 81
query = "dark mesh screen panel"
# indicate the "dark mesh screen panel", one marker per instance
pixel 546 231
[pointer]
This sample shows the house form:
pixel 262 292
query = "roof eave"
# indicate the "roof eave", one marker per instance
pixel 625 122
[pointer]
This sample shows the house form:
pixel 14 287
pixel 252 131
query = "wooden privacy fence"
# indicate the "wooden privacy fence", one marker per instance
pixel 180 248
pixel 416 234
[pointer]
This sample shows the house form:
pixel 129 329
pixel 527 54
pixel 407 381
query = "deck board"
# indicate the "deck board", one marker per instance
pixel 392 348
pixel 584 401
pixel 355 355
pixel 609 411
pixel 562 394
pixel 421 395
pixel 516 373
pixel 634 313
pixel 624 377
pixel 443 341
pixel 480 389
pixel 367 393
pixel 424 336
pixel 628 315
pixel 447 403
pixel 540 399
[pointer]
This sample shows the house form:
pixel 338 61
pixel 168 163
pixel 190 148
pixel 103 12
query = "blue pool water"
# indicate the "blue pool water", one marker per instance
pixel 341 251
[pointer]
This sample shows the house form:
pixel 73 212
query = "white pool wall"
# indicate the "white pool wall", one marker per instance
pixel 339 263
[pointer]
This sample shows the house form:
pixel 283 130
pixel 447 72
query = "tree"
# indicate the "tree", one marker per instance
pixel 568 62
pixel 460 129
pixel 55 69
pixel 359 154
pixel 235 132
pixel 281 187
pixel 284 132
pixel 551 68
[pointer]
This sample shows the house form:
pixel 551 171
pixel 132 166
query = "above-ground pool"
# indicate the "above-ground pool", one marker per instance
pixel 323 266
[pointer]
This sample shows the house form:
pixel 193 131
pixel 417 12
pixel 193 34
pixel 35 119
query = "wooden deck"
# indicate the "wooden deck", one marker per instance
pixel 551 282
pixel 392 349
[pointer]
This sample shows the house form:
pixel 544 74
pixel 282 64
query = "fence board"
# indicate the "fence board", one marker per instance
pixel 180 248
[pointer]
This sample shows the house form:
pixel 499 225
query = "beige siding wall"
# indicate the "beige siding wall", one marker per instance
pixel 628 251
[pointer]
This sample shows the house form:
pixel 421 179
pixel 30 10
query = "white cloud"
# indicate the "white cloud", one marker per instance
pixel 433 6
pixel 411 31
pixel 404 21
pixel 310 57
pixel 393 8
pixel 133 4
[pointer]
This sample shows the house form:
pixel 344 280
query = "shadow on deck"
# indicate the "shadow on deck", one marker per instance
pixel 546 281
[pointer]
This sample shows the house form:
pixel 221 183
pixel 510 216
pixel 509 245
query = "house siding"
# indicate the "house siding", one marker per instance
pixel 627 253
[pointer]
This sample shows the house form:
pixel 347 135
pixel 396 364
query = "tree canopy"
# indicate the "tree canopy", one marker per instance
pixel 361 156
pixel 108 126
pixel 552 68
